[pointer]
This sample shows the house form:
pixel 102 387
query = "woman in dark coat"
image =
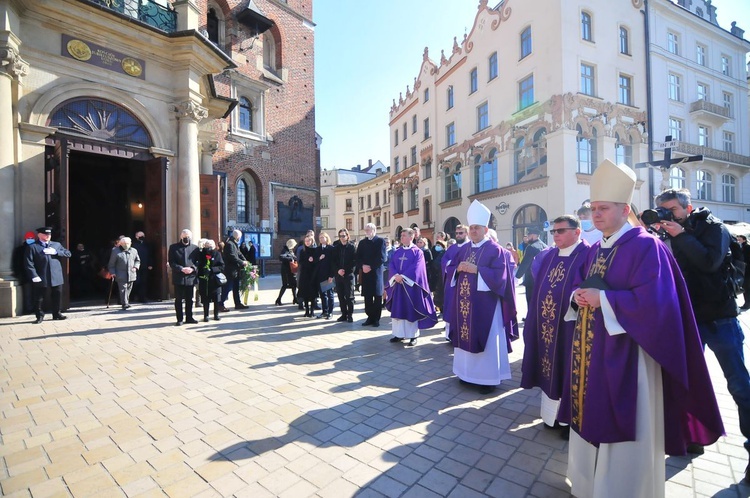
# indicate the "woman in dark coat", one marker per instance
pixel 325 273
pixel 307 287
pixel 209 262
pixel 288 279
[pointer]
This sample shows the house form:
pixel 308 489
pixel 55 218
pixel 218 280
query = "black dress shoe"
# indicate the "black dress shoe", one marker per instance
pixel 412 342
pixel 278 302
pixel 60 317
pixel 375 324
pixel 241 307
pixel 327 316
pixel 367 323
pixel 39 320
pixel 565 432
pixel 178 323
pixel 349 319
pixel 224 309
pixel 695 449
pixel 217 318
pixel 395 339
pixel 486 389
pixel 205 318
pixel 342 318
pixel 191 320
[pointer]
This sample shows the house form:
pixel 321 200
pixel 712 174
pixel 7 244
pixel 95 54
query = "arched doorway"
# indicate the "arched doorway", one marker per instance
pixel 103 182
pixel 528 216
pixel 449 227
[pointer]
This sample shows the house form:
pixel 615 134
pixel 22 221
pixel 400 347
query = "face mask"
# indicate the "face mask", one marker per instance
pixel 126 246
pixel 141 238
pixel 438 248
pixel 587 225
pixel 30 241
pixel 185 240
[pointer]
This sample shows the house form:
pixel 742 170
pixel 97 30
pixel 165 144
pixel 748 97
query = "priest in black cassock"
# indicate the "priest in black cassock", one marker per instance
pixel 370 258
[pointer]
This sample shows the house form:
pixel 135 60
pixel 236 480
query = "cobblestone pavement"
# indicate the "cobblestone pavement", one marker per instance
pixel 267 403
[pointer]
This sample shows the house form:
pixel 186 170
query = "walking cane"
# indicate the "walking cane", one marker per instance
pixel 111 285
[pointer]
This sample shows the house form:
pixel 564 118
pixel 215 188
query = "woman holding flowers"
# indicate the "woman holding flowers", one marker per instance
pixel 209 262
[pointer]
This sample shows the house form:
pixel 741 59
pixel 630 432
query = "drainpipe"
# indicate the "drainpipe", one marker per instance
pixel 649 121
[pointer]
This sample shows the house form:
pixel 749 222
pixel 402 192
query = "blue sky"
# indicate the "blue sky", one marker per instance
pixel 366 52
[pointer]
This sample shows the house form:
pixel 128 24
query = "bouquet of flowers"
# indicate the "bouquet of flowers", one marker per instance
pixel 249 280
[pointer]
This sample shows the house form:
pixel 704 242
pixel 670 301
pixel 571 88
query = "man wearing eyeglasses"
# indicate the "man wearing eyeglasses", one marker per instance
pixel 547 337
pixel 344 263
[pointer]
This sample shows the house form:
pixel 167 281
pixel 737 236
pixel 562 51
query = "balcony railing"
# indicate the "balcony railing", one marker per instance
pixel 710 153
pixel 702 105
pixel 154 14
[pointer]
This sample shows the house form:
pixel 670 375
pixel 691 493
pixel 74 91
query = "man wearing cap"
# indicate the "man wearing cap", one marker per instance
pixel 533 247
pixel 44 270
pixel 546 336
pixel 482 306
pixel 408 292
pixel 639 386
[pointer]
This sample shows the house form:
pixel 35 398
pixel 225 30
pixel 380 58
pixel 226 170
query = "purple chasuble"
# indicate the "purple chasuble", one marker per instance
pixel 471 311
pixel 650 301
pixel 547 336
pixel 449 257
pixel 410 302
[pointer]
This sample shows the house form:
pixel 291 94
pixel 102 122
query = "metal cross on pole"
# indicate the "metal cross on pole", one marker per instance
pixel 665 164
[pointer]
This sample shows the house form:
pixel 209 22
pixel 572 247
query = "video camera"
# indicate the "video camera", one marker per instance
pixel 652 216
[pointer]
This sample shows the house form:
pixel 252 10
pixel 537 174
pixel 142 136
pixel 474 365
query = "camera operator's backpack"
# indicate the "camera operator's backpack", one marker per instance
pixel 735 267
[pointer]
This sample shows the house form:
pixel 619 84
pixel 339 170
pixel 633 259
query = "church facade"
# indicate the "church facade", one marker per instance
pixel 126 115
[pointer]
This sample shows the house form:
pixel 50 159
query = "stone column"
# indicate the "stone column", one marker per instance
pixel 12 68
pixel 188 166
pixel 208 149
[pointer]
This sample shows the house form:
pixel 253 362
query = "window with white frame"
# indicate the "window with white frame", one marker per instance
pixel 414 124
pixel 247 117
pixel 703 93
pixel 453 182
pixel 348 204
pixel 677 178
pixel 413 155
pixel 449 97
pixel 349 224
pixel 728 188
pixel 395 136
pixel 700 54
pixel 396 166
pixel 624 41
pixel 726 65
pixel 399 202
pixel 324 222
pixel 623 150
pixel 473 81
pixel 492 66
pixel 586 27
pixel 587 79
pixel 625 89
pixel 728 140
pixel 450 134
pixel 675 128
pixel 673 43
pixel 405 134
pixel 414 198
pixel 323 202
pixel 427 169
pixel 586 151
pixel 703 184
pixel 215 24
pixel 704 136
pixel 483 116
pixel 526 92
pixel 426 127
pixel 426 94
pixel 485 172
pixel 269 52
pixel 246 114
pixel 727 101
pixel 526 42
pixel 246 201
pixel 675 87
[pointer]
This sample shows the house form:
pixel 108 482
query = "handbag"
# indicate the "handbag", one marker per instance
pixel 293 266
pixel 220 279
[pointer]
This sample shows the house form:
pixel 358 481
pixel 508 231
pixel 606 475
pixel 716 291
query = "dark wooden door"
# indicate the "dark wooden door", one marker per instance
pixel 56 160
pixel 155 222
pixel 210 188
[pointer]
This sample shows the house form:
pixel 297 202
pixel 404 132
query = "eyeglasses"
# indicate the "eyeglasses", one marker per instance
pixel 560 230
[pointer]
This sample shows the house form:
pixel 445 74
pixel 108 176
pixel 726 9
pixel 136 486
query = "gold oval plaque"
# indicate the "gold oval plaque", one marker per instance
pixel 79 50
pixel 131 66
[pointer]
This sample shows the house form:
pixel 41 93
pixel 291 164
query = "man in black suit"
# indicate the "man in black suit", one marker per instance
pixel 44 270
pixel 140 288
pixel 344 261
pixel 234 263
pixel 370 258
pixel 533 247
pixel 181 260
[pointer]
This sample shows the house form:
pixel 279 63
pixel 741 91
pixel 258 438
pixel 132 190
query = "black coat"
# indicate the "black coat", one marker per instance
pixel 45 266
pixel 529 253
pixel 325 268
pixel 233 258
pixel 344 258
pixel 209 262
pixel 288 278
pixel 372 252
pixel 144 253
pixel 182 256
pixel 307 279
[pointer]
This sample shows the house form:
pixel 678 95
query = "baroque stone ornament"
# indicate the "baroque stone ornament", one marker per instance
pixel 191 110
pixel 12 64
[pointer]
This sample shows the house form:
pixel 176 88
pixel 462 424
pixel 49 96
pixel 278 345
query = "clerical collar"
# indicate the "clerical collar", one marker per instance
pixel 461 244
pixel 409 246
pixel 608 242
pixel 569 250
pixel 480 243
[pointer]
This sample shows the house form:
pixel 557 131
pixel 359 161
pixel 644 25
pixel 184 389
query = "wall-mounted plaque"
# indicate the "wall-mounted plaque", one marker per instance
pixel 91 53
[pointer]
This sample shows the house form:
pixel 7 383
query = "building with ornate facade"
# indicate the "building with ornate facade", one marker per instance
pixel 155 115
pixel 520 112
pixel 699 95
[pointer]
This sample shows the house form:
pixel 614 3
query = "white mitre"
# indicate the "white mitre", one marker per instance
pixel 612 183
pixel 478 214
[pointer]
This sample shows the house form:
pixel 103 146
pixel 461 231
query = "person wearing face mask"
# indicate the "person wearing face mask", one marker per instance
pixel 589 233
pixel 19 272
pixel 234 262
pixel 123 264
pixel 141 284
pixel 182 256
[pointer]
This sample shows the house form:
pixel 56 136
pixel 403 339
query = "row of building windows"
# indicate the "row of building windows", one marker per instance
pixel 705 135
pixel 701 53
pixel 587 32
pixel 704 181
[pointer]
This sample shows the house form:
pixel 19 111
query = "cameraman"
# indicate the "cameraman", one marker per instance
pixel 700 243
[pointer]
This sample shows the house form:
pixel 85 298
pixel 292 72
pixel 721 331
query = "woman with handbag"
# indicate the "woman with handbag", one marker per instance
pixel 307 288
pixel 210 266
pixel 289 267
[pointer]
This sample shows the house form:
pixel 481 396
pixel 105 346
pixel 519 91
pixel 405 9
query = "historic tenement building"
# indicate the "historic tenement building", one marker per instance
pixel 155 115
pixel 519 113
